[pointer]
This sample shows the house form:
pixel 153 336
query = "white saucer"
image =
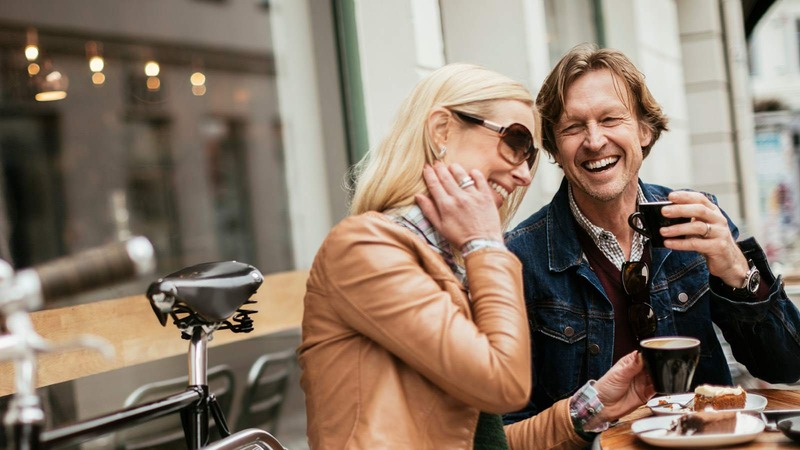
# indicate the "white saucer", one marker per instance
pixel 747 428
pixel 753 403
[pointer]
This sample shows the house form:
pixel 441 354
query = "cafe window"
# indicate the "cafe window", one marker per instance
pixel 141 118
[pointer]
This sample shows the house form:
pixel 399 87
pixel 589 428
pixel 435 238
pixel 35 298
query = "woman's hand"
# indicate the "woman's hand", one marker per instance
pixel 625 387
pixel 460 214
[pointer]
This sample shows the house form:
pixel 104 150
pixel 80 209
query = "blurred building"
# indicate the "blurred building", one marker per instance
pixel 238 146
pixel 775 74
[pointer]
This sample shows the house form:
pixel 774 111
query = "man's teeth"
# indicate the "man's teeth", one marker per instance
pixel 594 165
pixel 500 190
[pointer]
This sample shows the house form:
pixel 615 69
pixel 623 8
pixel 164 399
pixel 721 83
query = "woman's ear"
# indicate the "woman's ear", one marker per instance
pixel 439 122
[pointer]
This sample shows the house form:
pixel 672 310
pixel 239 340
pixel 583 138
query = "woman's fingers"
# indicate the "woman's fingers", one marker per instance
pixel 446 178
pixel 480 181
pixel 431 178
pixel 461 206
pixel 429 210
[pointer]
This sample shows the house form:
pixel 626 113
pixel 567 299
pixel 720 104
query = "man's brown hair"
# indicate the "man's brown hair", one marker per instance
pixel 579 61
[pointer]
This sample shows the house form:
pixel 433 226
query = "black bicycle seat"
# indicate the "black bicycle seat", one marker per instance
pixel 213 291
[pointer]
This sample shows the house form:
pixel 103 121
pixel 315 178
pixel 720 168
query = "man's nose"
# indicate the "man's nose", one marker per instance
pixel 595 137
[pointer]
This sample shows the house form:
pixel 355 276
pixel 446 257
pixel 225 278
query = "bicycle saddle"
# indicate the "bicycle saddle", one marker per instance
pixel 206 294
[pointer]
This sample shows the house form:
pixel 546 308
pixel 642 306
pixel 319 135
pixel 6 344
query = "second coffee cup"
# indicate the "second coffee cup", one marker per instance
pixel 649 215
pixel 671 362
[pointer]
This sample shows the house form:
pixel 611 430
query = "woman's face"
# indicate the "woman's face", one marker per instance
pixel 476 147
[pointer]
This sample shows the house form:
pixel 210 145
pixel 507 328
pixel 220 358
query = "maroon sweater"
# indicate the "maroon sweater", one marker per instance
pixel 611 279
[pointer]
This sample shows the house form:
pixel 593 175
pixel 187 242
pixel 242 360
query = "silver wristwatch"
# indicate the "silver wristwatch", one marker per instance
pixel 751 281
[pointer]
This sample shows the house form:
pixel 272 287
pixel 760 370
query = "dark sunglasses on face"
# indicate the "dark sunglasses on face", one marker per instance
pixel 636 283
pixel 517 137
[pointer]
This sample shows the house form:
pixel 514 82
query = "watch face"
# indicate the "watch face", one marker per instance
pixel 754 281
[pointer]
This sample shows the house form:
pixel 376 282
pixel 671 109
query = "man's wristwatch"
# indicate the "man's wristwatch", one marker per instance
pixel 751 282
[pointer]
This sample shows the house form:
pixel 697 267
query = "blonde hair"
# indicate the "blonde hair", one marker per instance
pixel 586 58
pixel 391 174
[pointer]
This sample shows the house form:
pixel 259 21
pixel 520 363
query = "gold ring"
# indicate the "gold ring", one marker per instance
pixel 708 228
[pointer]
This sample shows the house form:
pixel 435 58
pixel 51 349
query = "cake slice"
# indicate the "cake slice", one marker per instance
pixel 707 396
pixel 705 422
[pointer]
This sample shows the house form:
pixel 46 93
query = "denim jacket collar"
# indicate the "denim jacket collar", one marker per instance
pixel 563 249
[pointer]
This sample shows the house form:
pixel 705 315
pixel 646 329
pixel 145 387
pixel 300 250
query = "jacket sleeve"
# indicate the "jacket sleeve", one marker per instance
pixel 379 288
pixel 550 429
pixel 763 333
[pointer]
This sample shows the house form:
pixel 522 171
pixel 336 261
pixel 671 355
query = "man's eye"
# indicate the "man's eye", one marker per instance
pixel 612 121
pixel 570 129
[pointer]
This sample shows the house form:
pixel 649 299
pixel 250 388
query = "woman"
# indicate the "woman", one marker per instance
pixel 414 331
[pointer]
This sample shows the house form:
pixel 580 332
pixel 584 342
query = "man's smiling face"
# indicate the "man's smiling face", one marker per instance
pixel 599 138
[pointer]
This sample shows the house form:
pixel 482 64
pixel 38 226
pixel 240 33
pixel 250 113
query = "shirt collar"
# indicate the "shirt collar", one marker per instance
pixel 411 217
pixel 604 239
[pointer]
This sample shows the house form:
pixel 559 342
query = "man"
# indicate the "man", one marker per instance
pixel 599 123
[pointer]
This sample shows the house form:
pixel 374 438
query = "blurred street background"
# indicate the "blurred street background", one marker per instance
pixel 224 129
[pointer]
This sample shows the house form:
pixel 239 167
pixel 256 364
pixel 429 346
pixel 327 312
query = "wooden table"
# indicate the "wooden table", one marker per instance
pixel 620 436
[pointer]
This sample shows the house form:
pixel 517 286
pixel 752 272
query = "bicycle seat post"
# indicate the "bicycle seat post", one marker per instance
pixel 195 418
pixel 198 357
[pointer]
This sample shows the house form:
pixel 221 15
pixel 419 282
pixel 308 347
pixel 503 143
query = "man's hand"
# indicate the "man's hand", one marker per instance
pixel 707 234
pixel 625 387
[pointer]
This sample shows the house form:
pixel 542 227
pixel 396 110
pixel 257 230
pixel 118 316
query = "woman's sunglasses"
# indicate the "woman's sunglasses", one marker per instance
pixel 518 139
pixel 636 283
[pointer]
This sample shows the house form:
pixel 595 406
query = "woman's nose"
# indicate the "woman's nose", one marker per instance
pixel 522 174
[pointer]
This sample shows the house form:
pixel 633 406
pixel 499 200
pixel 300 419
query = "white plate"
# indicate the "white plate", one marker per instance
pixel 753 402
pixel 747 428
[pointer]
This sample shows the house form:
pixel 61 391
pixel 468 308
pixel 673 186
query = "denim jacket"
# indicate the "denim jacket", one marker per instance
pixel 571 318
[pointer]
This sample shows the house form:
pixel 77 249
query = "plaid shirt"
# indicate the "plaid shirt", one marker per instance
pixel 604 239
pixel 411 217
pixel 583 409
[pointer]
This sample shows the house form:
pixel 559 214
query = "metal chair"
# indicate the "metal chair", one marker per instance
pixel 249 439
pixel 265 393
pixel 167 433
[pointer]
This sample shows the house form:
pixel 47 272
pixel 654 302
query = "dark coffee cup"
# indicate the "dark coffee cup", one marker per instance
pixel 649 215
pixel 671 362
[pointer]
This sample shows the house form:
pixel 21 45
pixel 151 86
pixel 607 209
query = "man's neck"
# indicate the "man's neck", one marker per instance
pixel 611 215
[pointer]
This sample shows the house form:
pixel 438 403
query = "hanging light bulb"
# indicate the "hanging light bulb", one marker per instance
pixel 50 84
pixel 198 80
pixel 32 51
pixel 32 45
pixel 153 83
pixel 96 62
pixel 151 69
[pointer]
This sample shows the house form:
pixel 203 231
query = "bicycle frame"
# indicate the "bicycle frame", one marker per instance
pixel 183 296
pixel 194 404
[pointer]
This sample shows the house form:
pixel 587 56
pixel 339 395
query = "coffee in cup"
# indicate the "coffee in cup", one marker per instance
pixel 671 362
pixel 651 220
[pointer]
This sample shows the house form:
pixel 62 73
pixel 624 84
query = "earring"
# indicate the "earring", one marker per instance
pixel 442 151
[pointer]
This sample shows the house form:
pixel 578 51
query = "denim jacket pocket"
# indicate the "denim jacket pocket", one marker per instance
pixel 682 289
pixel 686 292
pixel 559 337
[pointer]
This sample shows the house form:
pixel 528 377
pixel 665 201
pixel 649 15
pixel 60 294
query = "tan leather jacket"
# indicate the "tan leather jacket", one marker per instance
pixel 393 353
